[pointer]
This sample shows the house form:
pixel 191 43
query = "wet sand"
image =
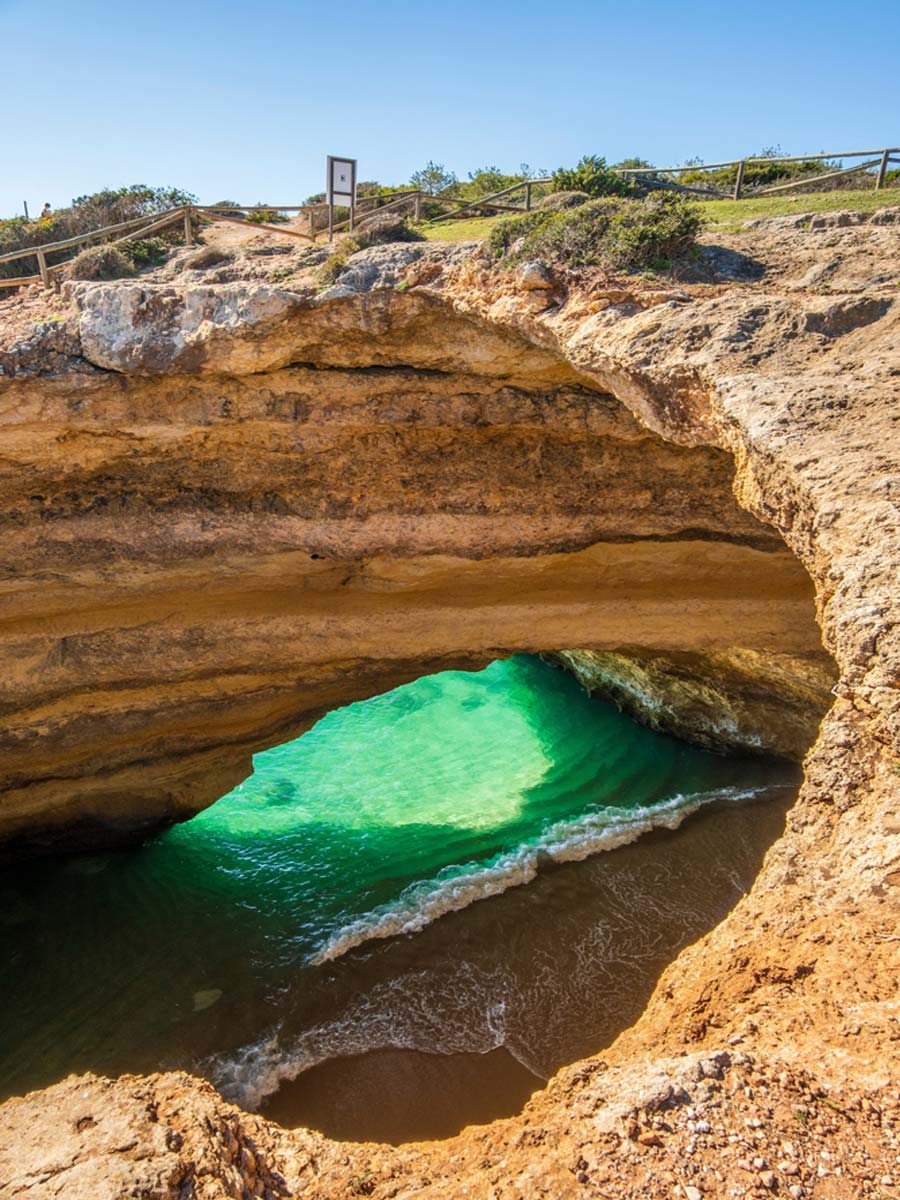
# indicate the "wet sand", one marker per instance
pixel 404 1095
pixel 468 1017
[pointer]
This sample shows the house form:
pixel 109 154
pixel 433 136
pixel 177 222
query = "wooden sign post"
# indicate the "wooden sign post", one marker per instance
pixel 340 189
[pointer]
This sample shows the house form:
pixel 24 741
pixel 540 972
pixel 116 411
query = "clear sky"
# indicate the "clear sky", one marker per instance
pixel 243 101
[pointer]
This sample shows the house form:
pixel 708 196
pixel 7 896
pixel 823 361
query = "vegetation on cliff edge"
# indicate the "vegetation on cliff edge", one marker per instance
pixel 625 234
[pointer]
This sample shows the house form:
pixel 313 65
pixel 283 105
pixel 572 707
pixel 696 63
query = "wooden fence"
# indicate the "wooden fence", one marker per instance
pixel 875 162
pixel 667 176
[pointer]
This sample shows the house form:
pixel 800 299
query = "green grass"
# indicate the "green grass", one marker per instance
pixel 731 214
pixel 460 231
pixel 724 216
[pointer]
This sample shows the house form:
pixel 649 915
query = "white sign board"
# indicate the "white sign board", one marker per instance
pixel 341 181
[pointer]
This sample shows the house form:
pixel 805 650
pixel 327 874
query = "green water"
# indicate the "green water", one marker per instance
pixel 385 816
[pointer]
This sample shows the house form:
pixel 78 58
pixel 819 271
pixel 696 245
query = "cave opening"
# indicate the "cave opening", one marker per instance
pixel 343 940
pixel 311 537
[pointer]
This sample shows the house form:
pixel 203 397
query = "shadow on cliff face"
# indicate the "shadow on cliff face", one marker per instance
pixel 721 264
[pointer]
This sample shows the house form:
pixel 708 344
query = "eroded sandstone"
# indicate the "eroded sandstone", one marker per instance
pixel 801 977
pixel 265 506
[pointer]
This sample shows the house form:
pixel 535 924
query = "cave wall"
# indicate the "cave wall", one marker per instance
pixel 737 699
pixel 210 544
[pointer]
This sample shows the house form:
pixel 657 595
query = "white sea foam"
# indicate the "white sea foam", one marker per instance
pixel 398 1013
pixel 456 888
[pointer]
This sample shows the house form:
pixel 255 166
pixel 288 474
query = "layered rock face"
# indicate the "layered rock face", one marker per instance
pixel 791 383
pixel 237 508
pixel 740 699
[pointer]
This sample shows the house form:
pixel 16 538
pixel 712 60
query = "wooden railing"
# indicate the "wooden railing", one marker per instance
pixel 876 161
pixel 880 159
pixel 136 228
pixel 139 227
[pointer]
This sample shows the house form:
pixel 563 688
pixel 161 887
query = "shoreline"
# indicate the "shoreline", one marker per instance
pixel 425 1034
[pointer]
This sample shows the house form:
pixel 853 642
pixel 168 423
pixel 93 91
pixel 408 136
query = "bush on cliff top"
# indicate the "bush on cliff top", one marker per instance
pixel 85 214
pixel 100 262
pixel 593 176
pixel 382 229
pixel 628 235
pixel 560 200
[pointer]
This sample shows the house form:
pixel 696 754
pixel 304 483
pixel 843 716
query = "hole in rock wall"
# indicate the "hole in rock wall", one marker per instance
pixel 404 921
pixel 409 917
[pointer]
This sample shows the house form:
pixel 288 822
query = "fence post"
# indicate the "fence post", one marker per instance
pixel 42 267
pixel 882 170
pixel 311 217
pixel 188 228
pixel 528 197
pixel 739 182
pixel 417 209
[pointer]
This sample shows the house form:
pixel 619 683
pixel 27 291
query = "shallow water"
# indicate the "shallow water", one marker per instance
pixel 250 943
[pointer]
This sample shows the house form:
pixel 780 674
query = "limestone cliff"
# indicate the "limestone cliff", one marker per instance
pixel 608 468
pixel 229 509
pixel 738 699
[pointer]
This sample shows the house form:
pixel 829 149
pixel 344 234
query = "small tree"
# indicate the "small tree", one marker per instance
pixel 593 176
pixel 433 178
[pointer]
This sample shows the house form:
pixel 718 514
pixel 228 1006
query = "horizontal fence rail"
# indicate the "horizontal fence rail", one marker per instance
pixel 137 228
pixel 875 162
pixel 877 158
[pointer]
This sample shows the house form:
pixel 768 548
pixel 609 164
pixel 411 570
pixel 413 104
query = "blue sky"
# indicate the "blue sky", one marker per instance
pixel 243 100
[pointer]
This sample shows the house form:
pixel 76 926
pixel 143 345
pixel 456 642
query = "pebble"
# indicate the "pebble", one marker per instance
pixel 796 1191
pixel 691 1192
pixel 769 1179
pixel 650 1139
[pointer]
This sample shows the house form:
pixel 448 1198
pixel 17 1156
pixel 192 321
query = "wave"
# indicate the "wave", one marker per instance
pixel 455 888
pixel 400 1014
pixel 481 1004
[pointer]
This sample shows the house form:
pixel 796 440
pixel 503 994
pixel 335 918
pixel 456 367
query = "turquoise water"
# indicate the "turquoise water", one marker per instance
pixel 387 815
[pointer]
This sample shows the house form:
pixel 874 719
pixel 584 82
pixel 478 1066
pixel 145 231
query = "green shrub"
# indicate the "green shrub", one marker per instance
pixel 146 252
pixel 758 174
pixel 506 233
pixel 628 235
pixel 652 233
pixel 86 214
pixel 333 265
pixel 384 228
pixel 557 201
pixel 488 180
pixel 266 216
pixel 593 176
pixel 100 262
